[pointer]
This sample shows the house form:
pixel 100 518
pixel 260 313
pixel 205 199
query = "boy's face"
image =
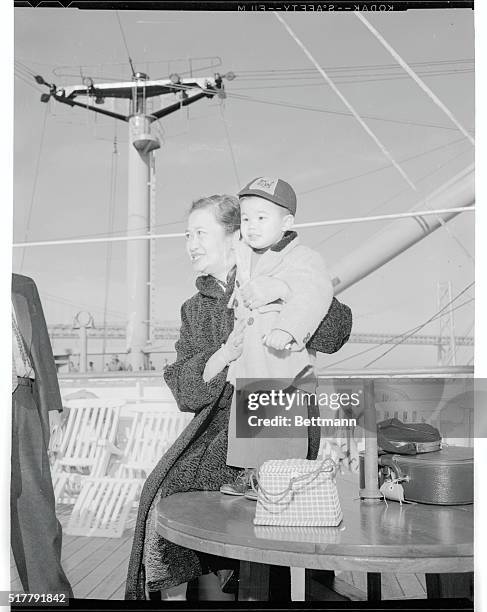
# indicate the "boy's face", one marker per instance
pixel 263 223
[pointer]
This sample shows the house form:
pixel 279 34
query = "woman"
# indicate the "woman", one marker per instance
pixel 207 344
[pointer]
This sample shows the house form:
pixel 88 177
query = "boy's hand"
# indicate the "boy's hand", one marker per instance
pixel 264 290
pixel 278 339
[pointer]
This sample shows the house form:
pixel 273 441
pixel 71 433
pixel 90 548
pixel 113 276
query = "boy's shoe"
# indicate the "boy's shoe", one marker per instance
pixel 253 488
pixel 251 494
pixel 241 485
pixel 238 487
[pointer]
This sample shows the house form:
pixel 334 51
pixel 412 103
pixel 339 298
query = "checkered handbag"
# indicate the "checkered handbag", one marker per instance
pixel 298 493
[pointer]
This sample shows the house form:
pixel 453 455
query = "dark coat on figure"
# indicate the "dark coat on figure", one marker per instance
pixel 35 531
pixel 206 323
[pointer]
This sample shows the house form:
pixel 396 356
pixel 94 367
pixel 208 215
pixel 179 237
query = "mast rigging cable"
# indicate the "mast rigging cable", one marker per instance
pixel 418 213
pixel 414 76
pixel 346 102
pixel 320 187
pixel 410 331
pixel 435 316
pixel 230 146
pixel 34 186
pixel 400 192
pixel 125 43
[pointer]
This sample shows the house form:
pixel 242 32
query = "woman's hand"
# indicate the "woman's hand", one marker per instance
pixel 233 347
pixel 278 340
pixel 228 352
pixel 264 290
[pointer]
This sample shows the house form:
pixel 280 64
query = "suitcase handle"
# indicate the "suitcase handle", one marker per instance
pixel 388 461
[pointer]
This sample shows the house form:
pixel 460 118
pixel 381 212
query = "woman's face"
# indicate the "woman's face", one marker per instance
pixel 207 244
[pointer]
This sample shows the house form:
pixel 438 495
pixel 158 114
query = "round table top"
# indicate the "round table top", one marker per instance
pixel 372 537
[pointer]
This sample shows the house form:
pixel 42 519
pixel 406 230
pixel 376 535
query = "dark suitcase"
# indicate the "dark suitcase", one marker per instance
pixel 443 477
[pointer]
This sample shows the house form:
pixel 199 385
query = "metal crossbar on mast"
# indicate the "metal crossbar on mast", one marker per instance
pixel 141 146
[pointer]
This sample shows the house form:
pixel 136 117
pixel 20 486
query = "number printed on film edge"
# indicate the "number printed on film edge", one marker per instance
pixel 17 598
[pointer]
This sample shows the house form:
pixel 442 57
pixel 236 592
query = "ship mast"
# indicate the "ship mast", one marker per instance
pixel 141 181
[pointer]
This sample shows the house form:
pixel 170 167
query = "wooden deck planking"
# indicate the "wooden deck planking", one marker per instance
pixel 91 547
pixel 111 582
pixel 392 586
pixel 104 579
pixel 411 586
pixel 100 565
pixel 91 561
pixel 73 545
pixel 120 592
pixel 391 589
pixel 422 581
pixel 347 576
pixel 359 580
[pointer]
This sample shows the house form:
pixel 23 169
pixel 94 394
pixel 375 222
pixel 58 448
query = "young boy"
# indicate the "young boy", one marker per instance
pixel 282 292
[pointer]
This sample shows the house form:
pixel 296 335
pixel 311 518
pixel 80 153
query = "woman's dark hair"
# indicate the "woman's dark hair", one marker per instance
pixel 226 209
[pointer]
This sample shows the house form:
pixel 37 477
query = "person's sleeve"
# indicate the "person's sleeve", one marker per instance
pixel 334 330
pixel 44 364
pixel 185 376
pixel 310 299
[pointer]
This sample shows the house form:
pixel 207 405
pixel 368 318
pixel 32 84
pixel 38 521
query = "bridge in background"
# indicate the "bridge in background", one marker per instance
pixel 171 332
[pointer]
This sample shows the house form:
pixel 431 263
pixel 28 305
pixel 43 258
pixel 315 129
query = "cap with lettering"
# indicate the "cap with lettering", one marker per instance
pixel 273 189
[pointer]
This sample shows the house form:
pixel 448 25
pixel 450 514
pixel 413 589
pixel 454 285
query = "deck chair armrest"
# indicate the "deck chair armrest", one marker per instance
pixel 110 447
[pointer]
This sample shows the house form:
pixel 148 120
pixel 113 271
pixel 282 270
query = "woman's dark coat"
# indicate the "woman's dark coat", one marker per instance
pixel 197 459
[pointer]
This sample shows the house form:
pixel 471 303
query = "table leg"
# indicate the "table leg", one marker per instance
pixel 298 584
pixel 253 584
pixel 262 582
pixel 374 586
pixel 279 583
pixel 449 585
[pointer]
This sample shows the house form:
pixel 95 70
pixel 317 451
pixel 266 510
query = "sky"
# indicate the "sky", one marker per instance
pixel 63 157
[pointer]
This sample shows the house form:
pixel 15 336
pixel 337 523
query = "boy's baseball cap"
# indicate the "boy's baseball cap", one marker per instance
pixel 273 189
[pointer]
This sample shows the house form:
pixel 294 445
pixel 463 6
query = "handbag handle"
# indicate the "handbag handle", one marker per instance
pixel 327 465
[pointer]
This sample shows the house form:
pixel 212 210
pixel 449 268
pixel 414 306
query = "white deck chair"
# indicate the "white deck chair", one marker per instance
pixel 104 504
pixel 151 434
pixel 87 445
pixel 55 442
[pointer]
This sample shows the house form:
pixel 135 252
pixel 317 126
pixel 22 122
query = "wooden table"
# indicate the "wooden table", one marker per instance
pixel 373 538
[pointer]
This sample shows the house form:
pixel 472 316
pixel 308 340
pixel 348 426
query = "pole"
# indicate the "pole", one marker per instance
pixel 370 492
pixel 446 353
pixel 82 321
pixel 152 271
pixel 141 144
pixel 137 250
pixel 83 352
